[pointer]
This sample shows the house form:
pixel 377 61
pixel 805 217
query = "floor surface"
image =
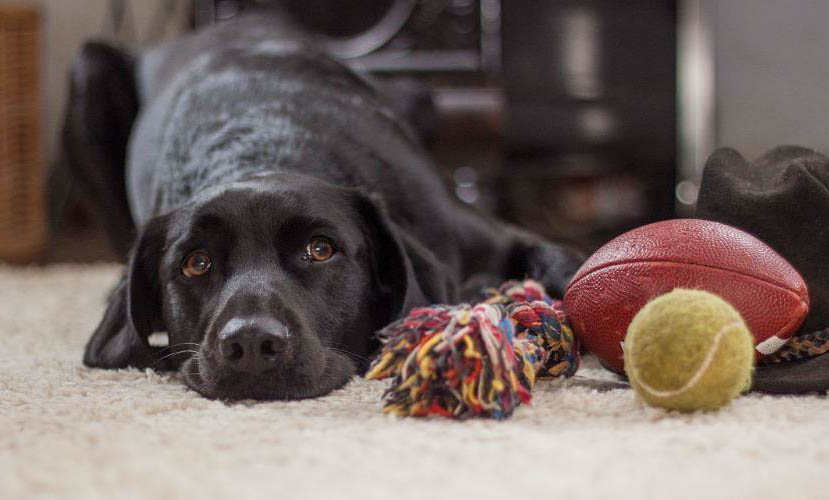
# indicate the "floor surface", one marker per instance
pixel 67 431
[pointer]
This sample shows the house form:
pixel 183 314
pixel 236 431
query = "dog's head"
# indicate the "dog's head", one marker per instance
pixel 267 290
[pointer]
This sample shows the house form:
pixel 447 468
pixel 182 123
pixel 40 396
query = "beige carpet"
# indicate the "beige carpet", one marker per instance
pixel 70 432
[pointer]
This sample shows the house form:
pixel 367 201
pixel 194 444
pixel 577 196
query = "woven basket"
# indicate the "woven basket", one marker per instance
pixel 23 224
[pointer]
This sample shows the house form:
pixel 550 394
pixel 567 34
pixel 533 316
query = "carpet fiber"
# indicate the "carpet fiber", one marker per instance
pixel 70 432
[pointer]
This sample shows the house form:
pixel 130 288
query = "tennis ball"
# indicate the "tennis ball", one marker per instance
pixel 688 350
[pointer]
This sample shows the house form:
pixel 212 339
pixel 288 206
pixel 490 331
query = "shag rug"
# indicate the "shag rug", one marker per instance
pixel 67 431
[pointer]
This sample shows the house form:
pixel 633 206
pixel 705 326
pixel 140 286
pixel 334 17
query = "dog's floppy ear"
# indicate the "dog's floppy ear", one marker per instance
pixel 101 108
pixel 134 310
pixel 406 273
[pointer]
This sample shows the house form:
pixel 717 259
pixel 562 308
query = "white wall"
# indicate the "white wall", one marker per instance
pixel 772 76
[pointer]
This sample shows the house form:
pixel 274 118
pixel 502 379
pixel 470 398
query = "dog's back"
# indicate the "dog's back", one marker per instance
pixel 236 102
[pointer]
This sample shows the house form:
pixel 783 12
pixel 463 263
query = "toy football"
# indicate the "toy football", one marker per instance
pixel 630 270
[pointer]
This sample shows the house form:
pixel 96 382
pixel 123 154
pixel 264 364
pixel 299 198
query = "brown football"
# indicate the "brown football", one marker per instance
pixel 630 270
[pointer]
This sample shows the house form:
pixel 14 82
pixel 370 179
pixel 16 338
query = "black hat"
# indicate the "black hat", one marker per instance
pixel 783 199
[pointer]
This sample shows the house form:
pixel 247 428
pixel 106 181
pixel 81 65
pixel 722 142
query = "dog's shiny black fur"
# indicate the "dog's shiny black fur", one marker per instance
pixel 247 147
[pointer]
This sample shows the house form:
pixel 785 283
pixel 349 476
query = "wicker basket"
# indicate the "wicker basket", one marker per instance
pixel 23 223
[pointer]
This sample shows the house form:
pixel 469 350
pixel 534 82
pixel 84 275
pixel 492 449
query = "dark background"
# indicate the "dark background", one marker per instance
pixel 579 119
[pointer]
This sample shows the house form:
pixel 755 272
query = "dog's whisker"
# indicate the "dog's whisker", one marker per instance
pixel 171 355
pixel 195 364
pixel 331 344
pixel 180 344
pixel 350 354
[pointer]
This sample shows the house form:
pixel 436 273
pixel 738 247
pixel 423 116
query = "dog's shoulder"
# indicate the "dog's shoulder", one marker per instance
pixel 242 99
pixel 254 43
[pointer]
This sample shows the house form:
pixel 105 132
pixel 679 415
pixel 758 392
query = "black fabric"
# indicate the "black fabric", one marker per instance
pixel 783 199
pixel 794 377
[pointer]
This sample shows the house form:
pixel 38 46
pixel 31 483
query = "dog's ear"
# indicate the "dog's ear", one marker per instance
pixel 406 273
pixel 134 310
pixel 101 108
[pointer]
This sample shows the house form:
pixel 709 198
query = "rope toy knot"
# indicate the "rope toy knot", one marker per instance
pixel 483 360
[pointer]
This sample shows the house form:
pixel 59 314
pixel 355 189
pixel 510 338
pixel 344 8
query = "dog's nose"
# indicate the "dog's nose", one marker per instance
pixel 253 350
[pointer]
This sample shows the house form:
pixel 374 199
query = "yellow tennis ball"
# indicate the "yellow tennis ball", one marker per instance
pixel 688 350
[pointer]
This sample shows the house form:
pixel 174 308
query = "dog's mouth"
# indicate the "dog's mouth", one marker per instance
pixel 301 381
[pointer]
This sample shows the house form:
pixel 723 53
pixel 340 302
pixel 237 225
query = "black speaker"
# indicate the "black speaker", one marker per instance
pixel 590 127
pixel 388 35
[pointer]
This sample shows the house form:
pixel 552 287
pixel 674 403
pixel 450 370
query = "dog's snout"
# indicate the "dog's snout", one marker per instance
pixel 253 346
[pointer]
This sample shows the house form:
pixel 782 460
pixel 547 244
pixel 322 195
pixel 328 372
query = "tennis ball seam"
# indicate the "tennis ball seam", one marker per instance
pixel 691 383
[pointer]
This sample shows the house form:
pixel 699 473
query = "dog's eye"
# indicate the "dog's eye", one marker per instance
pixel 319 250
pixel 197 263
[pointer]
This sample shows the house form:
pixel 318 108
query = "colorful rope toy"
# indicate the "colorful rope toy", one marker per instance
pixel 464 361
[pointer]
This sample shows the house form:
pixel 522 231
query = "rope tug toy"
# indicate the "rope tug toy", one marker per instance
pixel 464 361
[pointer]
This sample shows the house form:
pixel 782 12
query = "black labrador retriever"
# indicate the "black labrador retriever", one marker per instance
pixel 286 213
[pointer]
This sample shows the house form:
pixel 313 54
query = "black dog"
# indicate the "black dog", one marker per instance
pixel 286 213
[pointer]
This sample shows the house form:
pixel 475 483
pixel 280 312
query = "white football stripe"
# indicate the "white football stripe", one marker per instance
pixel 770 345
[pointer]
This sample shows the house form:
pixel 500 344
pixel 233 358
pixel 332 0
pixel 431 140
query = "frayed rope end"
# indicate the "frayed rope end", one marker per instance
pixel 482 360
